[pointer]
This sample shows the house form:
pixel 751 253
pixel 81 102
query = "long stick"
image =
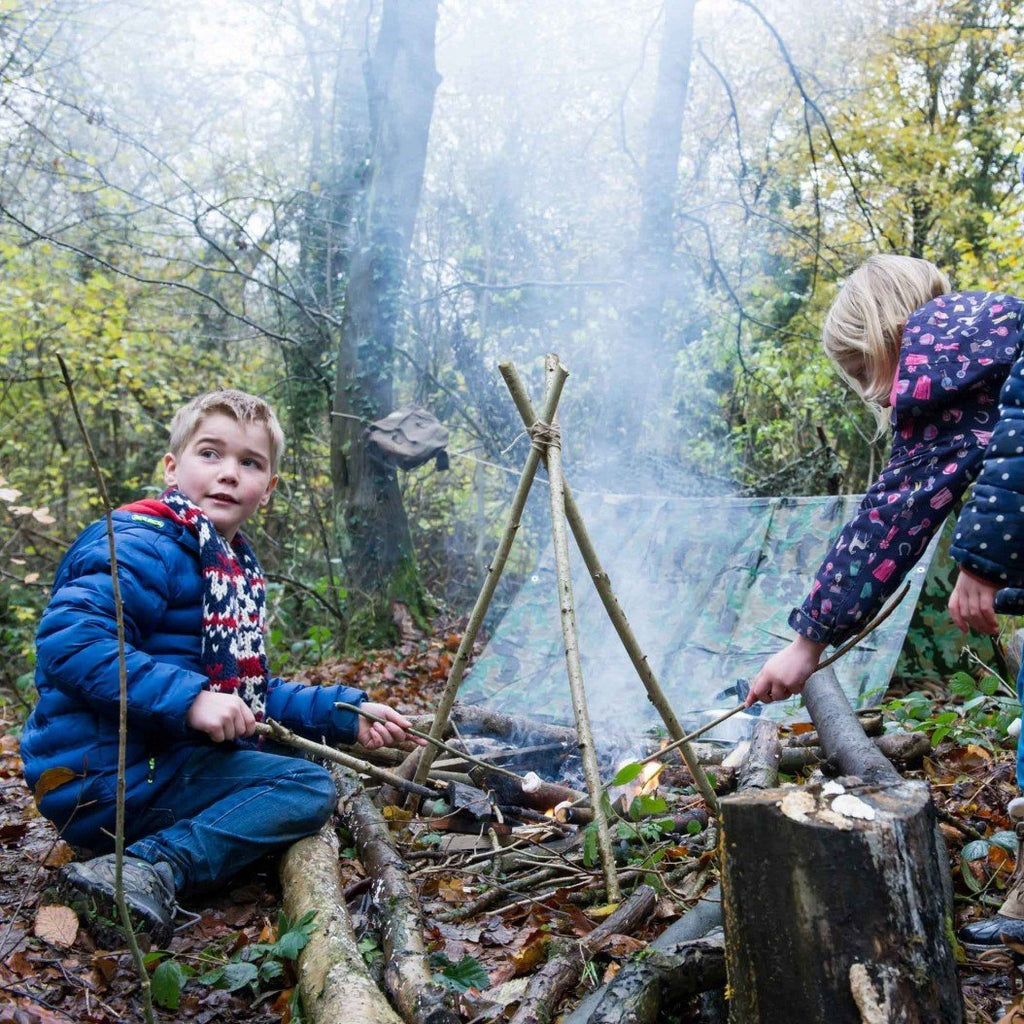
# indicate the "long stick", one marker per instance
pixel 282 734
pixel 494 570
pixel 560 540
pixel 833 657
pixel 618 617
pixel 440 744
pixel 122 721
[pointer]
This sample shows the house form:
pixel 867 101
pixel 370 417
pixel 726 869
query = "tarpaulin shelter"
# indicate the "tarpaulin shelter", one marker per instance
pixel 707 585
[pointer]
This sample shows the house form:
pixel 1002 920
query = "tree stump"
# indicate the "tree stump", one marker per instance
pixel 834 906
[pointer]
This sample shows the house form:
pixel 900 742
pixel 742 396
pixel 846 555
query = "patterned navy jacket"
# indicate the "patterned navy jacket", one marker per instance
pixel 950 420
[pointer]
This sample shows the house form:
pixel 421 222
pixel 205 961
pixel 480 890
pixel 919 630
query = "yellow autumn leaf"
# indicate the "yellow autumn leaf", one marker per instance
pixel 606 910
pixel 51 779
pixel 532 954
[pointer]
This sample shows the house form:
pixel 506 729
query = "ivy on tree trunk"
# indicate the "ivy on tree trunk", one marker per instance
pixel 401 82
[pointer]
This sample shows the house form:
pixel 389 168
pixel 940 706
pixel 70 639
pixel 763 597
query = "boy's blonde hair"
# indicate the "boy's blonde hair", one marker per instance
pixel 864 326
pixel 240 406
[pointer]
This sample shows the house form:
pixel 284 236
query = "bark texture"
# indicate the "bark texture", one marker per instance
pixel 394 910
pixel 553 982
pixel 834 894
pixel 333 980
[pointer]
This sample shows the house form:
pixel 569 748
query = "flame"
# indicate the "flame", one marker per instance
pixel 647 781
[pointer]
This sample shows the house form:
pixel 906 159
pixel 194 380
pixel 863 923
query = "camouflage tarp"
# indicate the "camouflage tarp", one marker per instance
pixel 707 585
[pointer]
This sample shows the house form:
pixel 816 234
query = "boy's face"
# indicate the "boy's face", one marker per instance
pixel 225 470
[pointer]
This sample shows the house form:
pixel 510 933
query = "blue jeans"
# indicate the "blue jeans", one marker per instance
pixel 226 808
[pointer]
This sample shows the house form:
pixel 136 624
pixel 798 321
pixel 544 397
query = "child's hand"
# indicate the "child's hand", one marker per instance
pixel 785 672
pixel 972 603
pixel 389 733
pixel 222 716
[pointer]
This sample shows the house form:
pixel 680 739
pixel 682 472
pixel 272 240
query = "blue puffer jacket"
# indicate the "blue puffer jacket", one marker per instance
pixel 75 723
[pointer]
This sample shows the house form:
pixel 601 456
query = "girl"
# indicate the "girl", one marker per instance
pixel 947 366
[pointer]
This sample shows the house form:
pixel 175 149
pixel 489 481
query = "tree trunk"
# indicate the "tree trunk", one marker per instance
pixel 338 114
pixel 834 894
pixel 655 245
pixel 402 80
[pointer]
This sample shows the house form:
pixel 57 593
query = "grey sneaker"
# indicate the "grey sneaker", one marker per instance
pixel 148 893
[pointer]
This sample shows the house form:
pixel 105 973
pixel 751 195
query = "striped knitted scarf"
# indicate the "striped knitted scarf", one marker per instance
pixel 234 602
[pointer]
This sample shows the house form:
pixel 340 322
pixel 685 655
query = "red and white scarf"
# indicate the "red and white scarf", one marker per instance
pixel 234 602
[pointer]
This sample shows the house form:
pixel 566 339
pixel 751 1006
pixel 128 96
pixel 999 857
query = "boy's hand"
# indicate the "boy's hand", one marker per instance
pixel 785 672
pixel 222 716
pixel 389 733
pixel 972 603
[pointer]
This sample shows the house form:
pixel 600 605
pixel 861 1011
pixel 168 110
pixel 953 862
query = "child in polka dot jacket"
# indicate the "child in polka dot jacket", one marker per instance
pixel 945 368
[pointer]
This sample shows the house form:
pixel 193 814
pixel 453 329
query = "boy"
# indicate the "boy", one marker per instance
pixel 203 800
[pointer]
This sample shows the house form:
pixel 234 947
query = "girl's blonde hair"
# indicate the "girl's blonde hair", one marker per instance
pixel 864 327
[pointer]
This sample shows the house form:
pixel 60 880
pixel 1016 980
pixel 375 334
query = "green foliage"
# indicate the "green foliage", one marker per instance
pixel 979 850
pixel 466 974
pixel 980 712
pixel 259 967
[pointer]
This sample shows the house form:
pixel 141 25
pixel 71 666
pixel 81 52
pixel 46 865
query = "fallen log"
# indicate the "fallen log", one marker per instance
pixel 388 794
pixel 495 723
pixel 696 923
pixel 872 945
pixel 333 980
pixel 394 910
pixel 904 748
pixel 664 976
pixel 760 768
pixel 562 972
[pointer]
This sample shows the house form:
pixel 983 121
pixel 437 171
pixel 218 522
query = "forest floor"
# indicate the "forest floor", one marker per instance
pixel 51 970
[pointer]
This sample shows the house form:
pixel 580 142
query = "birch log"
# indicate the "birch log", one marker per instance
pixel 333 980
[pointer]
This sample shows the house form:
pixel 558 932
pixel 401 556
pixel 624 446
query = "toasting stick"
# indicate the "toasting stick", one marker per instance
pixel 834 656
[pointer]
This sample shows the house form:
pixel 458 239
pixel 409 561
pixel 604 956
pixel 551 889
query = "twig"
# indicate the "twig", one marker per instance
pixel 430 739
pixel 494 570
pixel 282 734
pixel 551 443
pixel 122 724
pixel 835 656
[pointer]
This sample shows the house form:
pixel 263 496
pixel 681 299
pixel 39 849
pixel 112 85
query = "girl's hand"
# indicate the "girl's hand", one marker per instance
pixel 785 672
pixel 972 603
pixel 222 716
pixel 389 733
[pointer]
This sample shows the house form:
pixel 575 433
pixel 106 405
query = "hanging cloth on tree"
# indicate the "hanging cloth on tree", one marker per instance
pixel 407 438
